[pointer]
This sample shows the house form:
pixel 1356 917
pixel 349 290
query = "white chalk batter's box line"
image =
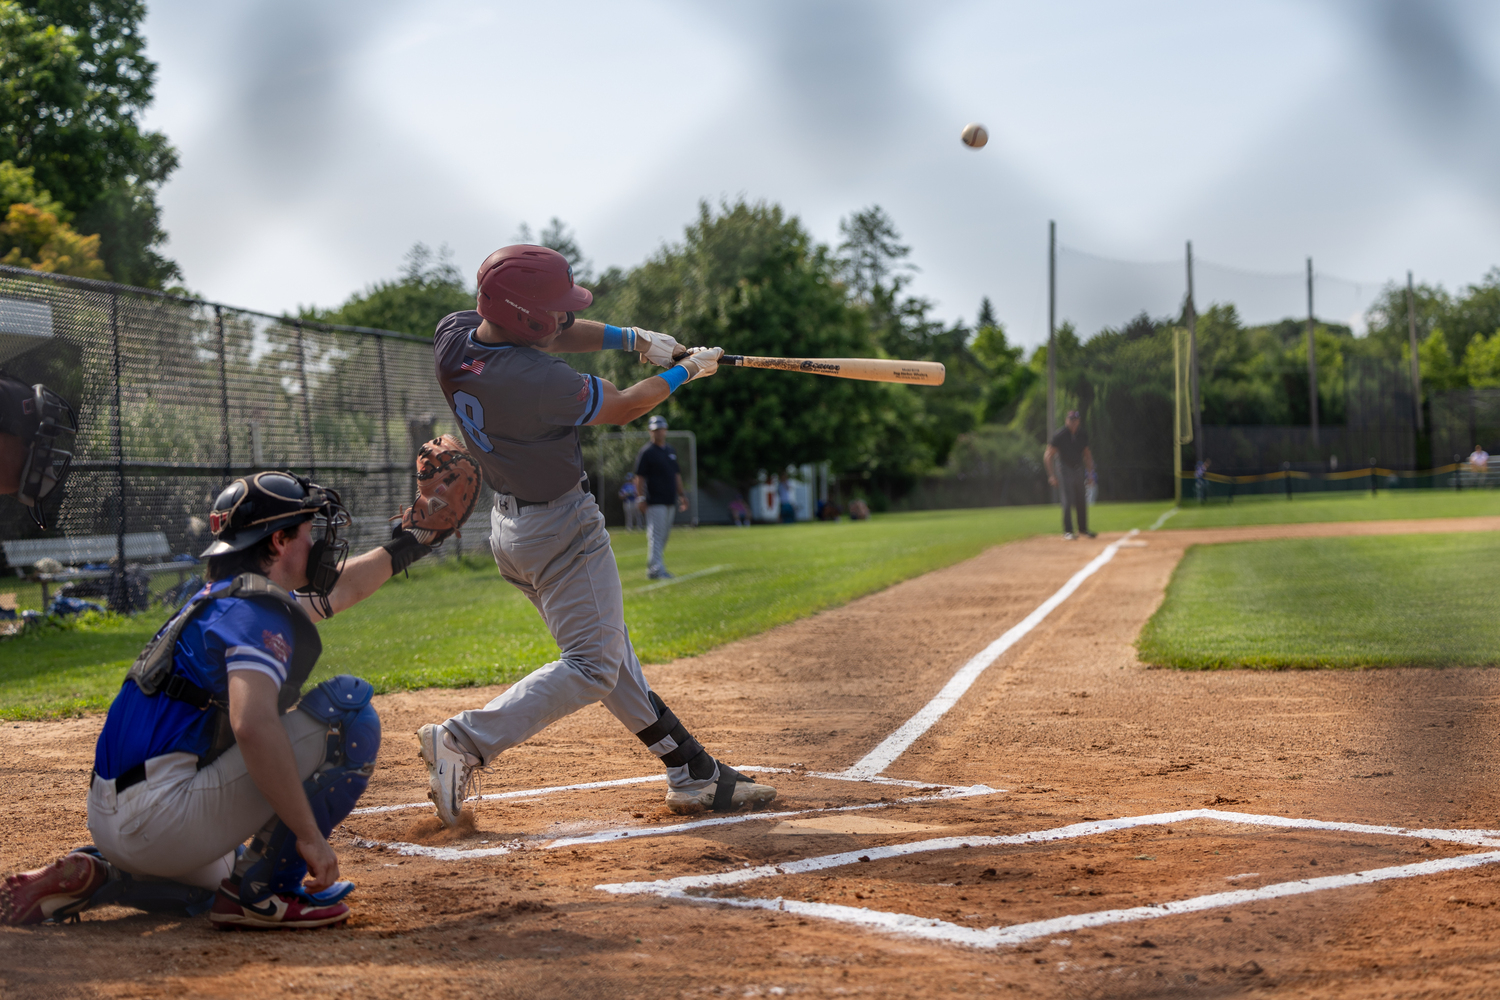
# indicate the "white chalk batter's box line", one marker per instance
pixel 994 937
pixel 614 834
pixel 530 793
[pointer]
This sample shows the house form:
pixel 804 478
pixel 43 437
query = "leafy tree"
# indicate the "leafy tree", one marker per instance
pixel 74 81
pixel 1482 362
pixel 18 186
pixel 430 287
pixel 1440 373
pixel 871 251
pixel 1008 375
pixel 748 278
pixel 38 241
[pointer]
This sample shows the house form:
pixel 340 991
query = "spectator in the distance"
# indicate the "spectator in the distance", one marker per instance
pixel 784 495
pixel 858 510
pixel 634 518
pixel 1069 448
pixel 1200 478
pixel 1479 459
pixel 739 513
pixel 660 493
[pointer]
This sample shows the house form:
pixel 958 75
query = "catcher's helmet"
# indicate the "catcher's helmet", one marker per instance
pixel 251 508
pixel 521 286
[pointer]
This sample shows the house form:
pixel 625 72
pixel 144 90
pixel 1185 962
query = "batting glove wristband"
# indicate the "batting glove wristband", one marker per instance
pixel 404 549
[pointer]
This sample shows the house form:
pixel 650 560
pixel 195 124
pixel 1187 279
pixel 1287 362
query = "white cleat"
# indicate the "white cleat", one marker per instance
pixel 451 772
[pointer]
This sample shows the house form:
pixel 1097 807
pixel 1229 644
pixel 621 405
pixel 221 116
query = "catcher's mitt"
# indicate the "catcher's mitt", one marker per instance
pixel 447 487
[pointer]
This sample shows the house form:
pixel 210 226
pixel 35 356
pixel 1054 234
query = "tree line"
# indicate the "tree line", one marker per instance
pixel 79 174
pixel 748 277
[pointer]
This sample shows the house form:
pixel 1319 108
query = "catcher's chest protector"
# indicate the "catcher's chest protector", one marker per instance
pixel 152 670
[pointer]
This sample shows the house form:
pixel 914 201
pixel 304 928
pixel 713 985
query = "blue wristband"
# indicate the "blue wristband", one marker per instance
pixel 618 339
pixel 674 377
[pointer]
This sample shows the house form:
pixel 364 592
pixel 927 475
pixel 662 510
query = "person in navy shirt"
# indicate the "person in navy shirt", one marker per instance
pixel 201 748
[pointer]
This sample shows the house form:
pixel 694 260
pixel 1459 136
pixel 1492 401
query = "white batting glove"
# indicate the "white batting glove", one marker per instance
pixel 701 362
pixel 657 348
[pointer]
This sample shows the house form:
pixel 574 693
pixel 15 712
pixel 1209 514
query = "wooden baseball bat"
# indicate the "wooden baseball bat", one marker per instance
pixel 865 369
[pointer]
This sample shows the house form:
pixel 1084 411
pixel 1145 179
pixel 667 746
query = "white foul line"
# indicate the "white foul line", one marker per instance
pixel 682 888
pixel 1163 519
pixel 684 578
pixel 894 745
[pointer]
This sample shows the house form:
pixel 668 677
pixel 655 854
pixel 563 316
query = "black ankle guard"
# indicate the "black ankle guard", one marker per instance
pixel 687 751
pixel 724 790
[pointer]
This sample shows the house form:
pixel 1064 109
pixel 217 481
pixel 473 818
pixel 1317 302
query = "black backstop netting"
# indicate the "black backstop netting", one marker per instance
pixel 175 397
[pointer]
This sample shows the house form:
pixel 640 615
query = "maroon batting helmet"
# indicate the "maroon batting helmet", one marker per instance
pixel 520 287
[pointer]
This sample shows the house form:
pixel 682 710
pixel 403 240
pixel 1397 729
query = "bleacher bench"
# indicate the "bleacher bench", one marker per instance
pixel 24 553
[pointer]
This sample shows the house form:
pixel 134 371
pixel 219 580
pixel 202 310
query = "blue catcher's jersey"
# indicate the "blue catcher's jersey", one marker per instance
pixel 233 633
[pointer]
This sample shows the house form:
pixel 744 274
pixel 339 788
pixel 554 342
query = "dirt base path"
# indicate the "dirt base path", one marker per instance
pixel 1064 732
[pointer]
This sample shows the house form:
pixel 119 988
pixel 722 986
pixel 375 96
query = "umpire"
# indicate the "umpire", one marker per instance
pixel 659 491
pixel 1069 450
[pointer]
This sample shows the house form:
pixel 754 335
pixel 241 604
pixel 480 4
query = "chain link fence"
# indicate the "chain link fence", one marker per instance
pixel 176 397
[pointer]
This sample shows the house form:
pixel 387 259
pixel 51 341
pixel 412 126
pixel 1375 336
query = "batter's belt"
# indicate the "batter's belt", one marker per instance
pixel 512 506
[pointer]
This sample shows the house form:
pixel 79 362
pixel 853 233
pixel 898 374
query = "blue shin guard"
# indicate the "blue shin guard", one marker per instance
pixel 272 864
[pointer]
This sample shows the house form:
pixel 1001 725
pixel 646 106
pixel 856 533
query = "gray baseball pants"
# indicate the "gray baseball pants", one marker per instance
pixel 183 824
pixel 558 555
pixel 658 527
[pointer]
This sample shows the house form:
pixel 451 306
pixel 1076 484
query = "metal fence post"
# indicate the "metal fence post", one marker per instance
pixel 1374 479
pixel 119 434
pixel 312 459
pixel 224 394
pixel 385 418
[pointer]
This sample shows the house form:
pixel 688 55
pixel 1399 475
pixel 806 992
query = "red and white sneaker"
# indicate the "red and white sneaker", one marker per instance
pixel 278 911
pixel 60 890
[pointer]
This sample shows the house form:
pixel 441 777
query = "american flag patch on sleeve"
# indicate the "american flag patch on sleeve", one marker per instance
pixel 472 365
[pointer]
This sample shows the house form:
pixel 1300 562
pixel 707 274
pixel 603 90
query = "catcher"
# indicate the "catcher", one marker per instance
pixel 201 749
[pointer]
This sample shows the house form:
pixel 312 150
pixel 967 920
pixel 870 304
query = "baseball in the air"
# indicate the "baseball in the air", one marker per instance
pixel 975 135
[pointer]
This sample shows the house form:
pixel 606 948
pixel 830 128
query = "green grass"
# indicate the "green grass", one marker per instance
pixel 1353 506
pixel 1392 600
pixel 458 623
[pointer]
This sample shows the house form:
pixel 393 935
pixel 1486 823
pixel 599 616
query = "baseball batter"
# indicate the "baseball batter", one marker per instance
pixel 201 748
pixel 520 408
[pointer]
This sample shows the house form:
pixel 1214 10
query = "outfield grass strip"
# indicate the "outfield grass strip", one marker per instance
pixel 1421 600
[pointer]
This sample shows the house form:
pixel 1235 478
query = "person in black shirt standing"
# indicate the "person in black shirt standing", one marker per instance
pixel 1069 448
pixel 658 486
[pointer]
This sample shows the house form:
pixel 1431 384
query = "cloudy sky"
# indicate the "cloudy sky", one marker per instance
pixel 320 140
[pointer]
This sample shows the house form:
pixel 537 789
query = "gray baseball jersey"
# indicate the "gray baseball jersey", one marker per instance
pixel 520 409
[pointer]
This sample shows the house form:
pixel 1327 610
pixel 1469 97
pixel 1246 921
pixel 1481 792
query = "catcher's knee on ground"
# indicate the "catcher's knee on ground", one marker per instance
pixel 272 863
pixel 708 783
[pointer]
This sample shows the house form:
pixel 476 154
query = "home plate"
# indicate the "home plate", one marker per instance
pixel 850 824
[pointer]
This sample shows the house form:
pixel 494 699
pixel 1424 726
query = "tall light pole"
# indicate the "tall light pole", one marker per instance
pixel 1312 358
pixel 1416 367
pixel 1051 330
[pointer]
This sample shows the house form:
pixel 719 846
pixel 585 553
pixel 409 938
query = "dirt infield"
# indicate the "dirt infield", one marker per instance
pixel 1067 828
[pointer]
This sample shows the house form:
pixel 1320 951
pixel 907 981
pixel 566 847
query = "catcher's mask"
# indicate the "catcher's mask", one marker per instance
pixel 521 286
pixel 38 416
pixel 254 507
